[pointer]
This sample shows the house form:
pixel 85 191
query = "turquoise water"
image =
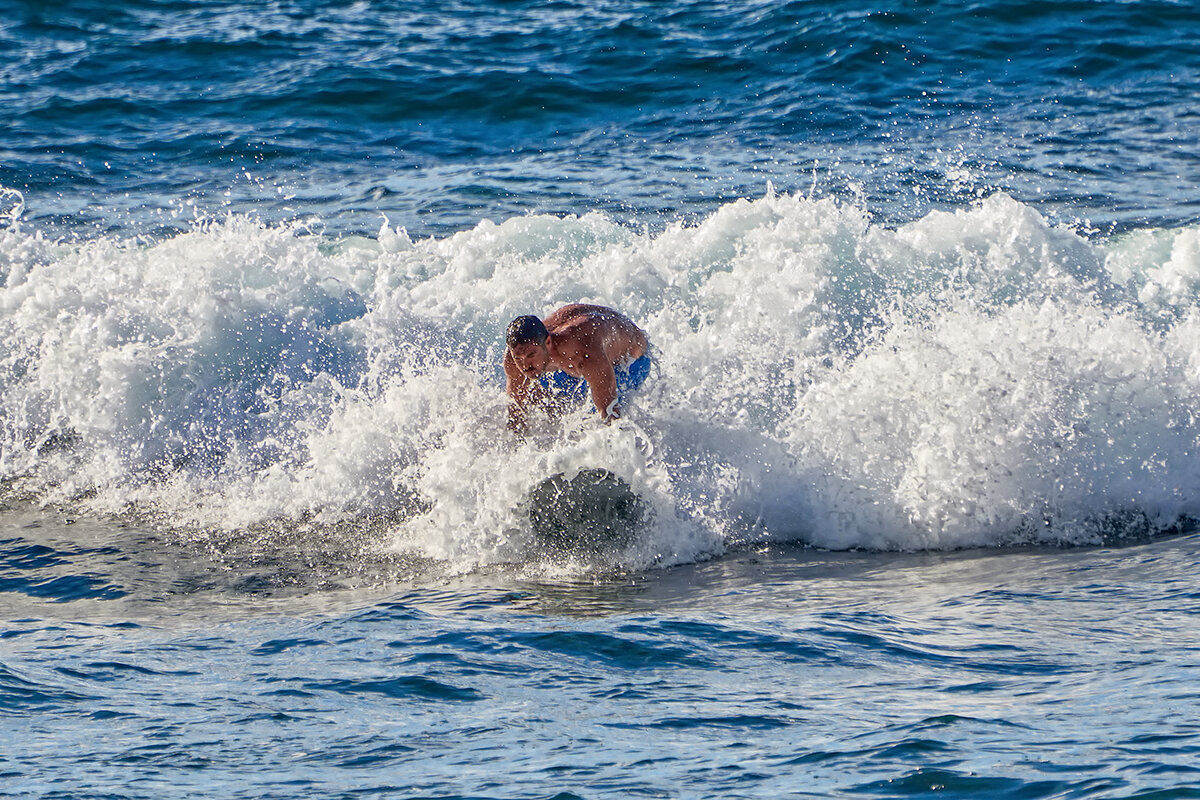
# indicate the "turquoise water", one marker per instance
pixel 916 461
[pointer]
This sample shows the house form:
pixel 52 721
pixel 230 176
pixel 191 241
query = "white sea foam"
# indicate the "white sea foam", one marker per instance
pixel 974 378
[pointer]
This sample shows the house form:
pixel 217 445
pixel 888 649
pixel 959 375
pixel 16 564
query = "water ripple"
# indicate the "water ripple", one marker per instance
pixel 409 687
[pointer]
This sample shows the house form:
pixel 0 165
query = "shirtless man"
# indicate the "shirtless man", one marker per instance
pixel 576 348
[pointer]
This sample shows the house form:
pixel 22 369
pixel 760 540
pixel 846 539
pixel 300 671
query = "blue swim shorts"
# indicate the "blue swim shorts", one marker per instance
pixel 568 387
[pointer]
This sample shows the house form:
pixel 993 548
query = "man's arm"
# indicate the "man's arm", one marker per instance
pixel 519 391
pixel 602 380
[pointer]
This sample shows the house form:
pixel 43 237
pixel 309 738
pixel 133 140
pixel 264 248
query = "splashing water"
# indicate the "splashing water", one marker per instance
pixel 972 378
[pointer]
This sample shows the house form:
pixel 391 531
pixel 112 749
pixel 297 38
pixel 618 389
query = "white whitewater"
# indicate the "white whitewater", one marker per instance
pixel 974 378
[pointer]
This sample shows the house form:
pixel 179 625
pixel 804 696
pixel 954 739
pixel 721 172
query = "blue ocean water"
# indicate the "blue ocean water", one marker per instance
pixel 649 112
pixel 917 458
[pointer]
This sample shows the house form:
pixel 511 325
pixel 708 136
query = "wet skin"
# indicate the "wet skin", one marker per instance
pixel 585 341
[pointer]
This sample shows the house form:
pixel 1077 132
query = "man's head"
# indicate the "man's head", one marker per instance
pixel 526 339
pixel 526 329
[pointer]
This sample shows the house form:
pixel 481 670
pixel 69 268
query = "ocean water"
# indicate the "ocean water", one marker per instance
pixel 918 459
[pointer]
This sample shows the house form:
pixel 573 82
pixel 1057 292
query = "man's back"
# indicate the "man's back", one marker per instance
pixel 583 341
pixel 580 332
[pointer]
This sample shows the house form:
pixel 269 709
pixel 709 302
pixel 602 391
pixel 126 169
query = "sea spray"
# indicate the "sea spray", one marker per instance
pixel 1036 422
pixel 980 377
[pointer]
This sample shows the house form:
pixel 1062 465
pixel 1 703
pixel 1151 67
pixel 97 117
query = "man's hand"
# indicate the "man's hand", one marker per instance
pixel 602 380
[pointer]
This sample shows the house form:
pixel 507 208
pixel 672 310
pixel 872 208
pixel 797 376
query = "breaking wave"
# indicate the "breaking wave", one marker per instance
pixel 974 378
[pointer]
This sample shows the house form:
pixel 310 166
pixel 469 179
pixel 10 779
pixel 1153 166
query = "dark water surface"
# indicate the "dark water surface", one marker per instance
pixel 118 115
pixel 779 672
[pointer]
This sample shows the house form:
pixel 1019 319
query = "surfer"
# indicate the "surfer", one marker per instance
pixel 554 362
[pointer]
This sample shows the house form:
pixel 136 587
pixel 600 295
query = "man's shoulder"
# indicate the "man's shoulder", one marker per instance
pixel 575 313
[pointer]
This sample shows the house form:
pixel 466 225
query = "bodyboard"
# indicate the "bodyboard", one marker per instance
pixel 595 510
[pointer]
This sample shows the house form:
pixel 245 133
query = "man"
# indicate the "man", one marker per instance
pixel 576 348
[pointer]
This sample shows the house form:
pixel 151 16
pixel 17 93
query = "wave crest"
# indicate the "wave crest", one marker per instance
pixel 972 378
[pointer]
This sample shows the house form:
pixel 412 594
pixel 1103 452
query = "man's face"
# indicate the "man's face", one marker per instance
pixel 531 358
